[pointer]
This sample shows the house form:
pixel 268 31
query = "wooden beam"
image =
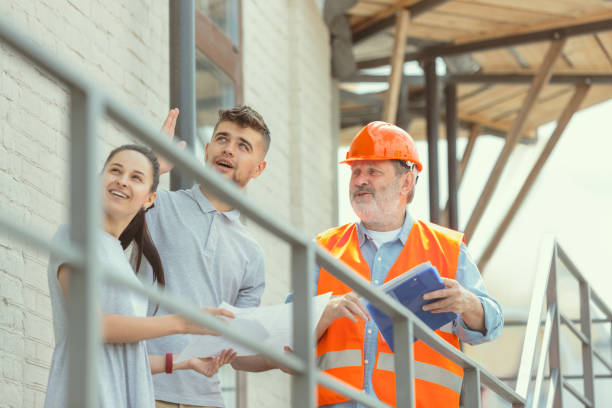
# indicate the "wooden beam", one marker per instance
pixel 467 153
pixel 432 115
pixel 450 93
pixel 571 108
pixel 564 29
pixel 397 66
pixel 512 138
pixel 385 18
pixel 524 78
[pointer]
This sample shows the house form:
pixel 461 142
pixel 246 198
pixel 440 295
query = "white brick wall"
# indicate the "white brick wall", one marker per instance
pixel 123 46
pixel 287 78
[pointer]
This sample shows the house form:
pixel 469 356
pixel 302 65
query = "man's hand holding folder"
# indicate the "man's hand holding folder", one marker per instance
pixel 457 299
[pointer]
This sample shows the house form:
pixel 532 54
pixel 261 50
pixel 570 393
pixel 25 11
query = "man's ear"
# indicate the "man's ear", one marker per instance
pixel 408 182
pixel 261 166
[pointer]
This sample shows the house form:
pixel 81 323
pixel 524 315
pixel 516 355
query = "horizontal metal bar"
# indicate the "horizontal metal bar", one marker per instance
pixel 602 360
pixel 577 394
pixel 512 78
pixel 497 386
pixel 217 185
pixel 395 309
pixel 176 305
pixel 515 323
pixel 334 384
pixel 494 79
pixel 573 328
pixel 567 377
pixel 42 58
pixel 67 252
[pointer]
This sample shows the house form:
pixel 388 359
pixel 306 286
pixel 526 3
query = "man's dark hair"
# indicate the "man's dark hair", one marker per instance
pixel 245 116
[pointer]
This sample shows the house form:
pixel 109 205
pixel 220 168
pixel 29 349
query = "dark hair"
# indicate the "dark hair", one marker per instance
pixel 245 116
pixel 137 230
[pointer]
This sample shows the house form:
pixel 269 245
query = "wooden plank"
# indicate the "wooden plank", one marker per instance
pixel 539 81
pixel 584 52
pixel 469 24
pixel 504 110
pixel 571 108
pixel 382 13
pixel 465 90
pixel 491 97
pixel 397 67
pixel 365 9
pixel 503 12
pixel 497 60
pixel 532 55
pixel 563 22
pixel 560 7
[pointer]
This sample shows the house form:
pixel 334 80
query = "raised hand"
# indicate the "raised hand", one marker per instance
pixel 168 127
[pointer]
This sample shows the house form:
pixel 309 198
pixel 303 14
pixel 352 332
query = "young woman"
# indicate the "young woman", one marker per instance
pixel 129 181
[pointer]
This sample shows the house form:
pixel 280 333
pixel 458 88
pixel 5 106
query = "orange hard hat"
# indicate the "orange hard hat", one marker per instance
pixel 383 141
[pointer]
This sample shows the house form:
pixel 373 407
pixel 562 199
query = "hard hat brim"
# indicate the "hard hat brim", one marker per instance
pixel 366 158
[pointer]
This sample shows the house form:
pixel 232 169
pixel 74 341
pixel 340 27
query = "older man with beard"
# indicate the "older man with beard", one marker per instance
pixel 384 244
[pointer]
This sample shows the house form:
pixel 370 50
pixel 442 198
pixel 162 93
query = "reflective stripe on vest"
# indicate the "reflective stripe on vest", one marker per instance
pixel 424 371
pixel 342 358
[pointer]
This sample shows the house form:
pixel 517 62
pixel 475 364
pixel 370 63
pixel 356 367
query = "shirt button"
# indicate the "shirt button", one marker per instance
pixel 366 361
pixel 376 281
pixel 379 258
pixel 369 331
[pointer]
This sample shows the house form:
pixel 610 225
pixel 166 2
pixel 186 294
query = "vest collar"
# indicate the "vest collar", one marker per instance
pixel 402 236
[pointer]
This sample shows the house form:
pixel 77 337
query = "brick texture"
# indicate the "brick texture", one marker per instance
pixel 123 47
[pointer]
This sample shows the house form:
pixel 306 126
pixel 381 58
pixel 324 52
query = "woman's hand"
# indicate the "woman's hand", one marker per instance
pixel 196 328
pixel 209 366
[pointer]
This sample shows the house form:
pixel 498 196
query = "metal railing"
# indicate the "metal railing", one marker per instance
pixel 88 105
pixel 545 293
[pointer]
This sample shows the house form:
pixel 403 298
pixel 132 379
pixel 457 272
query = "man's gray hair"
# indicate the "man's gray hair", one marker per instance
pixel 402 167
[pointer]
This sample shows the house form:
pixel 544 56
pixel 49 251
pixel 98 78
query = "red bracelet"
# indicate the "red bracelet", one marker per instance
pixel 169 363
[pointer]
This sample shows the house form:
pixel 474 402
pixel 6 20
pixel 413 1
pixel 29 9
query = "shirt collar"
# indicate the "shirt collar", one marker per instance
pixel 207 207
pixel 402 236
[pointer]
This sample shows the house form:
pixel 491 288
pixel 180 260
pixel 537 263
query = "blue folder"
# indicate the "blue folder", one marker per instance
pixel 408 289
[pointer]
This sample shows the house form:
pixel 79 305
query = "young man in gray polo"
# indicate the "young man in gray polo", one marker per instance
pixel 208 255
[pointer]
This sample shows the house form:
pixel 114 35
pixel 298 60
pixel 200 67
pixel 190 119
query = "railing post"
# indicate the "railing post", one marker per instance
pixel 471 387
pixel 302 264
pixel 554 356
pixel 587 349
pixel 83 310
pixel 403 338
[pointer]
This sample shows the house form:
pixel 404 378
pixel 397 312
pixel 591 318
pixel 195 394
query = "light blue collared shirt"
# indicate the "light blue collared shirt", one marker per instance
pixel 380 260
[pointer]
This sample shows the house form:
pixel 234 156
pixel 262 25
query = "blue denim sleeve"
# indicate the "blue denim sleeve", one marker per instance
pixel 469 277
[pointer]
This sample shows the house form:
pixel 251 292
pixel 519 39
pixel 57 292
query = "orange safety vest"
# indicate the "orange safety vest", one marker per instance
pixel 340 350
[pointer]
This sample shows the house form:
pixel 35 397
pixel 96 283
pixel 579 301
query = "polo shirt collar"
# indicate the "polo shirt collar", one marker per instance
pixel 207 207
pixel 402 236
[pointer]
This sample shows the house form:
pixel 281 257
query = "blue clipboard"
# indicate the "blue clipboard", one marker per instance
pixel 408 289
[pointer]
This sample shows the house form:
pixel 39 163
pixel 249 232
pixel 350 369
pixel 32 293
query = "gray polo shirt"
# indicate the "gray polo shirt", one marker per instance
pixel 208 257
